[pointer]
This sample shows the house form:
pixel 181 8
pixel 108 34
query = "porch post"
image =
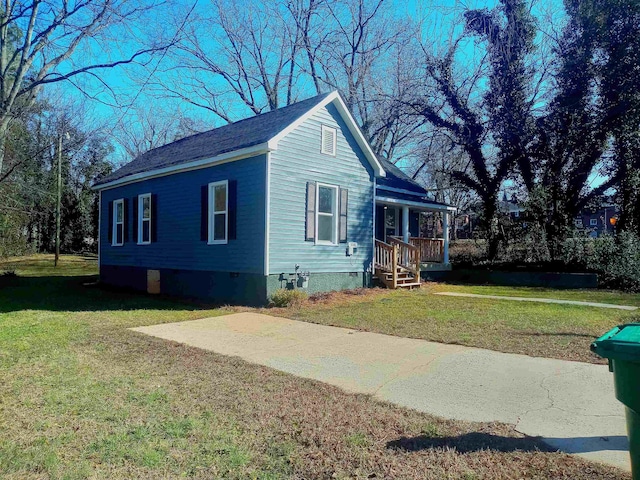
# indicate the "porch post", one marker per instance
pixel 445 234
pixel 405 224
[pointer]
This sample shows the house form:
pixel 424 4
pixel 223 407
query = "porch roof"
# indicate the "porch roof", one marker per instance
pixel 417 202
pixel 398 188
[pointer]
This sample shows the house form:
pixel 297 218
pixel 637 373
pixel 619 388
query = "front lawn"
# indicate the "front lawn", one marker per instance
pixel 81 396
pixel 536 329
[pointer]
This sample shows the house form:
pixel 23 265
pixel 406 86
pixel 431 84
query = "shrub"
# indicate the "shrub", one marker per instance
pixel 616 260
pixel 287 298
pixel 467 251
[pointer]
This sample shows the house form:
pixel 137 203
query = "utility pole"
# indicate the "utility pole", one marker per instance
pixel 58 201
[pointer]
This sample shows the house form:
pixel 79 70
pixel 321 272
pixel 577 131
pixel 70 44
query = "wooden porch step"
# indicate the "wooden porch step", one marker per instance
pixel 400 275
pixel 404 279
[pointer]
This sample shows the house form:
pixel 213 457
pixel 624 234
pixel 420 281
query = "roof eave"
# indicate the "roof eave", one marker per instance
pixel 193 165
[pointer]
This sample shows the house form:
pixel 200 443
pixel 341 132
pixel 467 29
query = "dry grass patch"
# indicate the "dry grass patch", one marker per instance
pixel 82 396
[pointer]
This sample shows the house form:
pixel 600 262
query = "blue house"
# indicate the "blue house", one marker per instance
pixel 293 198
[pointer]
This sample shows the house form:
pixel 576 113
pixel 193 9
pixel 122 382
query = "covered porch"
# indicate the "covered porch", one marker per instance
pixel 411 230
pixel 412 235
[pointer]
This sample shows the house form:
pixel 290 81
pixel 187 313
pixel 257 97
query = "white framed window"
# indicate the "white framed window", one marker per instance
pixel 328 140
pixel 327 214
pixel 118 223
pixel 144 219
pixel 593 222
pixel 218 212
pixel 578 222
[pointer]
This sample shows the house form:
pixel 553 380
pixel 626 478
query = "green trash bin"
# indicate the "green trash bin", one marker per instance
pixel 621 346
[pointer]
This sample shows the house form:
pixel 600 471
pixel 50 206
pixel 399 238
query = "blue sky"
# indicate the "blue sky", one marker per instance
pixel 127 91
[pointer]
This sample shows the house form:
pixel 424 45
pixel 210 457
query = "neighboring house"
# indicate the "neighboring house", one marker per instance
pixel 594 220
pixel 597 221
pixel 290 198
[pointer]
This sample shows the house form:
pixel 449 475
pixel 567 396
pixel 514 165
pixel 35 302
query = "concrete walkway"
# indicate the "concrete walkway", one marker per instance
pixel 570 404
pixel 541 300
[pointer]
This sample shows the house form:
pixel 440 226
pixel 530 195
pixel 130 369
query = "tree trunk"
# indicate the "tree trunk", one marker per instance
pixel 490 220
pixel 4 130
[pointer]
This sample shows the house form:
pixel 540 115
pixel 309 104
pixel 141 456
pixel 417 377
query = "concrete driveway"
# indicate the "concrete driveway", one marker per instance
pixel 570 404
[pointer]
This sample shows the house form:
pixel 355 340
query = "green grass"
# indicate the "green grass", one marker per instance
pixel 81 396
pixel 584 295
pixel 537 329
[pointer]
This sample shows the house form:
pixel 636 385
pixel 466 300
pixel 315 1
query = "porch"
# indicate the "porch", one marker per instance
pixel 410 239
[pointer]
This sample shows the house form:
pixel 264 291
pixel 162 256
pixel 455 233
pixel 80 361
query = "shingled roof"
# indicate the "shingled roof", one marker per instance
pixel 229 138
pixel 396 178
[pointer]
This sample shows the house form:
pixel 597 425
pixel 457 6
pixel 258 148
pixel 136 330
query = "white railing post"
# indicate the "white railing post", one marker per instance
pixel 445 234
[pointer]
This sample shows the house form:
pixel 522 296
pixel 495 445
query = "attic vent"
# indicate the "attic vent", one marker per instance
pixel 328 140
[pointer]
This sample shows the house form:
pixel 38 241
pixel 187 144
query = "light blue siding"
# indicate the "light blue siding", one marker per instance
pixel 178 243
pixel 297 161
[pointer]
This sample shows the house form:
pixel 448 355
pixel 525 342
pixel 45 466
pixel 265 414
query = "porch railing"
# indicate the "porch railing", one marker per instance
pixel 408 255
pixel 431 249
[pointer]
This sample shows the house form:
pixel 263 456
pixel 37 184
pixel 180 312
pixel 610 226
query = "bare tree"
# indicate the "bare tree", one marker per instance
pixel 250 57
pixel 486 112
pixel 143 129
pixel 367 55
pixel 265 55
pixel 37 44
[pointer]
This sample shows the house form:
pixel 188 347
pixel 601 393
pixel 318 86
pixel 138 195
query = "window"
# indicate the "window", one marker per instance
pixel 144 219
pixel 328 140
pixel 118 223
pixel 578 222
pixel 593 222
pixel 516 214
pixel 218 212
pixel 326 214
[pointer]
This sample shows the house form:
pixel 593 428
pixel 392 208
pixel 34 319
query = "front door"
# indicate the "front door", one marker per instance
pixel 391 222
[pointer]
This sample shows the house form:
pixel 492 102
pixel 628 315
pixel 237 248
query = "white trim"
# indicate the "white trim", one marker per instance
pixel 141 198
pixel 401 190
pixel 334 97
pixel 211 213
pixel 374 227
pixel 335 214
pixel 267 213
pixel 99 228
pixel 184 167
pixel 593 222
pixel 114 232
pixel 426 206
pixel 334 147
pixel 423 205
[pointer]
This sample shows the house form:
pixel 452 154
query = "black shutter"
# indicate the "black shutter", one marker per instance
pixel 134 201
pixel 204 213
pixel 342 223
pixel 154 217
pixel 310 233
pixel 232 207
pixel 110 222
pixel 125 220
